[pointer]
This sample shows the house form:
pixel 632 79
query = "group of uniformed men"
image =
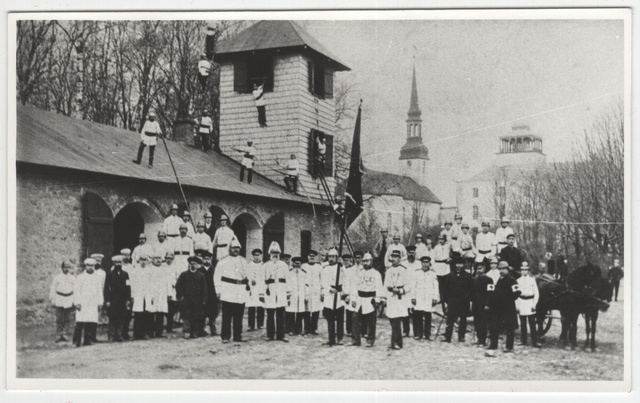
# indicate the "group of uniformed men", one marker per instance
pixel 178 273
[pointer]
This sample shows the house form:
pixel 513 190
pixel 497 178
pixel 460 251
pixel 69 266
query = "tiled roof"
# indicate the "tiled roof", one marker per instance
pixel 414 149
pixel 384 183
pixel 49 139
pixel 274 34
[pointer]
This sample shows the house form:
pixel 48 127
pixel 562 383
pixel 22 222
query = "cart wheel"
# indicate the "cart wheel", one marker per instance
pixel 546 323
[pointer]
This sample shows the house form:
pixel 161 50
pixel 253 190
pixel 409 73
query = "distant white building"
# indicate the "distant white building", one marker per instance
pixel 484 196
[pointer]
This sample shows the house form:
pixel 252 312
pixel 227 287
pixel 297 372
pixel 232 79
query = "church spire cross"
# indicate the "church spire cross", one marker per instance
pixel 414 108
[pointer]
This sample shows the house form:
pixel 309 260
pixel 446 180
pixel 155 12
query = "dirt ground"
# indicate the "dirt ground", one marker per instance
pixel 305 358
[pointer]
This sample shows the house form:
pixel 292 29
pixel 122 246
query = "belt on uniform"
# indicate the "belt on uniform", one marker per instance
pixel 172 235
pixel 150 134
pixel 441 261
pixel 234 281
pixel 337 287
pixel 526 297
pixel 248 156
pixel 465 249
pixel 273 280
pixel 222 246
pixel 503 243
pixel 181 253
pixel 207 126
pixel 455 238
pixel 366 294
pixel 484 252
pixel 63 294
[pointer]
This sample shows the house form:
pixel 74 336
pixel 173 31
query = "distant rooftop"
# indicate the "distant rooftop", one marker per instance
pixel 385 183
pixel 272 35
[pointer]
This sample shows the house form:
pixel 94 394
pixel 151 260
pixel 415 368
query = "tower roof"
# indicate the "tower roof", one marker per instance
pixel 414 108
pixel 414 149
pixel 272 35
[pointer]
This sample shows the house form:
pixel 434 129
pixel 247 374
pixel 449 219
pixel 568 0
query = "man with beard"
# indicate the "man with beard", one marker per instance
pixel 501 305
pixel 296 310
pixel 255 275
pixel 191 291
pixel 88 299
pixel 232 290
pixel 424 297
pixel 274 293
pixel 459 293
pixel 366 293
pixel 117 296
pixel 314 270
pixel 211 308
pixel 412 264
pixel 397 284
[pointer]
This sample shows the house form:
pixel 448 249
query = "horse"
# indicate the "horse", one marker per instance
pixel 582 293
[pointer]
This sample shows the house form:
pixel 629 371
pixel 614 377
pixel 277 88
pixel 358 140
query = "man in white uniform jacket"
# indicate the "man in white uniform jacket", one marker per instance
pixel 296 310
pixel 398 283
pixel 232 286
pixel 143 248
pixel 172 223
pixel 222 239
pixel 149 137
pixel 255 275
pixel 396 245
pixel 313 270
pixel 332 280
pixel 201 241
pixel 364 295
pixel 486 243
pixel 526 305
pixel 502 233
pixel 88 300
pixel 425 295
pixel 61 298
pixel 275 294
pixel 182 249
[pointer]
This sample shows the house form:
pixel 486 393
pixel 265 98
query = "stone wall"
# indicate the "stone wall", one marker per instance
pixel 50 222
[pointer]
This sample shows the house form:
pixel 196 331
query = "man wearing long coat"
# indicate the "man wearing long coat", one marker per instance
pixel 458 294
pixel 191 292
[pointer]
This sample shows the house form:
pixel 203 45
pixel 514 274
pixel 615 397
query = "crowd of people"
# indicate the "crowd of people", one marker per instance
pixel 198 273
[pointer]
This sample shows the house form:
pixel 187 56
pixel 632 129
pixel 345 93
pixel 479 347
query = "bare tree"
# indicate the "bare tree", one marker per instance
pixel 36 40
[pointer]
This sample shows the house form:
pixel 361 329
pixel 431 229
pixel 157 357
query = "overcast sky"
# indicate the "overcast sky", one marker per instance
pixel 476 79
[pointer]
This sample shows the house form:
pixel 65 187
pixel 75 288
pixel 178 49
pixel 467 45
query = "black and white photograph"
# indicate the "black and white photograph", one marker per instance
pixel 350 199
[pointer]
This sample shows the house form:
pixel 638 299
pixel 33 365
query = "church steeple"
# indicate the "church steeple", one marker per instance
pixel 414 149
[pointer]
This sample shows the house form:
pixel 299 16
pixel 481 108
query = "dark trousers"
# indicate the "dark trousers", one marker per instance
pixel 406 325
pixel 249 173
pixel 442 281
pixel 203 81
pixel 294 322
pixel 366 321
pixel 422 324
pixel 89 329
pixel 211 313
pixel 63 316
pixel 275 323
pixel 462 327
pixel 188 328
pixel 496 320
pixel 335 323
pixel 396 332
pixel 116 323
pixel 292 183
pixel 262 115
pixel 312 323
pixel 254 311
pixel 480 324
pixel 205 141
pixel 349 322
pixel 126 324
pixel 143 325
pixel 173 308
pixel 157 323
pixel 523 328
pixel 616 287
pixel 232 312
pixel 152 150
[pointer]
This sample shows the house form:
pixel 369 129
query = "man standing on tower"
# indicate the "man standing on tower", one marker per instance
pixel 258 96
pixel 205 127
pixel 149 137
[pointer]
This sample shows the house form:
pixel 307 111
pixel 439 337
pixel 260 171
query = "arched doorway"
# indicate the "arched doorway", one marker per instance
pixel 247 230
pixel 273 231
pixel 133 219
pixel 216 212
pixel 99 227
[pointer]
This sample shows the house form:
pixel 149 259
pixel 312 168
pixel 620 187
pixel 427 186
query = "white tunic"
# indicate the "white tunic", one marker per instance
pixel 144 249
pixel 205 125
pixel 88 294
pixel 440 255
pixel 162 248
pixel 529 288
pixel 182 249
pixel 141 288
pixel 393 247
pixel 160 288
pixel 228 279
pixel 249 156
pixel 501 237
pixel 424 289
pixel 351 274
pixel 397 276
pixel 292 168
pixel 258 96
pixel 486 245
pixel 172 274
pixel 172 225
pixel 221 241
pixel 422 250
pixel 448 233
pixel 203 67
pixel 465 245
pixel 456 231
pixel 61 291
pixel 411 268
pixel 150 132
pixel 201 241
pixel 328 282
pixel 314 286
pixel 275 281
pixel 368 287
pixel 256 277
pixel 297 288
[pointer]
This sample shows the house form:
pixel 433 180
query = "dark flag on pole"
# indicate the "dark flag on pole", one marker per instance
pixel 353 194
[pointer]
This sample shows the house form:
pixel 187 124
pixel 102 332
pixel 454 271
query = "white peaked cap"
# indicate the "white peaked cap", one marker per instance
pixel 90 261
pixel 367 256
pixel 235 243
pixel 332 252
pixel 274 247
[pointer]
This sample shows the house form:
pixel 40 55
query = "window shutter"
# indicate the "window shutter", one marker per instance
pixel 328 83
pixel 240 77
pixel 312 152
pixel 328 164
pixel 311 72
pixel 268 85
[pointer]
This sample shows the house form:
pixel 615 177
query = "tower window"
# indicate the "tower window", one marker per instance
pixel 253 69
pixel 476 212
pixel 475 192
pixel 316 160
pixel 320 79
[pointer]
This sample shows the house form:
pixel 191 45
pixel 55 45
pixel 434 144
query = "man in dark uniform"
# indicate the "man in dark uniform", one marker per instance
pixel 117 296
pixel 211 308
pixel 191 291
pixel 380 251
pixel 512 255
pixel 614 275
pixel 481 284
pixel 459 294
pixel 501 306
